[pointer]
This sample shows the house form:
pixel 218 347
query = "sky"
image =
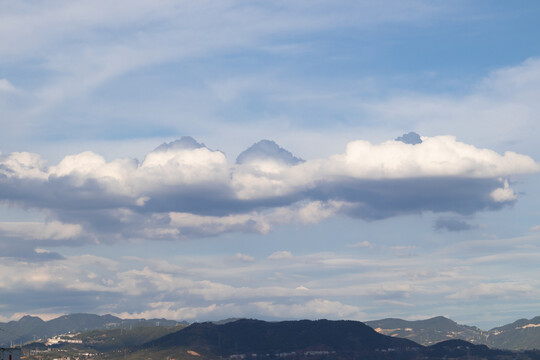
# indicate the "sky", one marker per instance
pixel 199 160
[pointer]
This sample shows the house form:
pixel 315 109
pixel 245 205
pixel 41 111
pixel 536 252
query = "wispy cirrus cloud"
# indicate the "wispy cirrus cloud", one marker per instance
pixel 64 37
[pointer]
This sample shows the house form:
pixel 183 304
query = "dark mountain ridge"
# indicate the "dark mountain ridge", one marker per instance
pixel 519 335
pixel 429 331
pixel 522 334
pixel 306 339
pixel 256 339
pixel 256 336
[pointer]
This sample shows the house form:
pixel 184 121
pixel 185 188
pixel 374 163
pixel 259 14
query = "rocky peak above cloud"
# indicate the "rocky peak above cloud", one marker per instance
pixel 267 150
pixel 184 143
pixel 410 138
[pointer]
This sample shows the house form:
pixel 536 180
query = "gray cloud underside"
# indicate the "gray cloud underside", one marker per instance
pixel 184 189
pixel 374 199
pixel 452 224
pixel 379 199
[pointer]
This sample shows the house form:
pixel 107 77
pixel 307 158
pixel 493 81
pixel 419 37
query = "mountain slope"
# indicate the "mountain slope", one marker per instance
pixel 522 334
pixel 519 335
pixel 31 327
pixel 305 339
pixel 429 331
pixel 286 337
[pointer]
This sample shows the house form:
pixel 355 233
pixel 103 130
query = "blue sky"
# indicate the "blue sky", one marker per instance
pixel 330 218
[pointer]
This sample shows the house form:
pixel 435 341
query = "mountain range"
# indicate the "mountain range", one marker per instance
pixel 30 328
pixel 522 334
pixel 302 339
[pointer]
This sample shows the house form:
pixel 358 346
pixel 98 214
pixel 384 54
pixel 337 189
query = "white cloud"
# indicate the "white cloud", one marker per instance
pixel 40 231
pixel 184 189
pixel 244 257
pixel 88 165
pixel 361 244
pixel 316 308
pixel 75 273
pixel 438 157
pixel 435 156
pixel 42 251
pixel 260 222
pixel 503 194
pixel 494 290
pixel 199 192
pixel 281 255
pixel 171 310
pixel 23 165
pixel 190 166
pixel 42 316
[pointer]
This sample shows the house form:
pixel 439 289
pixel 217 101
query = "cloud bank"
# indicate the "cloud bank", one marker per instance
pixel 281 284
pixel 184 189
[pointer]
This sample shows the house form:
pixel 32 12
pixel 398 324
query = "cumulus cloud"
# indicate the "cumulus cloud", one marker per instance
pixel 361 244
pixel 244 258
pixel 280 255
pixel 503 194
pixel 171 310
pixel 493 290
pixel 435 156
pixel 258 222
pixel 40 231
pixel 320 308
pixel 184 189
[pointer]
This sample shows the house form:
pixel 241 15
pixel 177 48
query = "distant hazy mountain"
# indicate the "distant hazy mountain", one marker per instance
pixel 522 334
pixel 184 143
pixel 411 138
pixel 31 327
pixel 430 331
